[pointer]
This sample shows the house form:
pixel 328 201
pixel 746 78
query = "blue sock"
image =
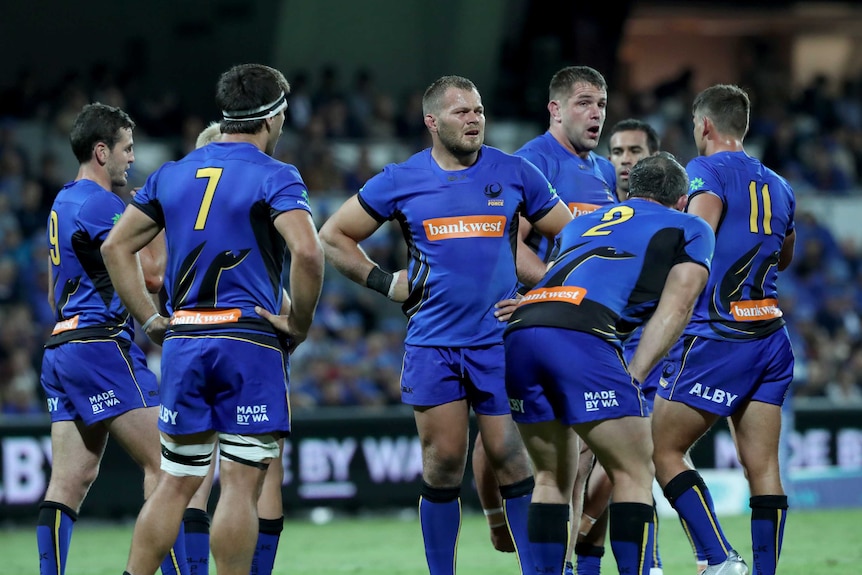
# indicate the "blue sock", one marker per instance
pixel 589 558
pixel 632 534
pixel 268 534
pixel 53 536
pixel 516 504
pixel 440 517
pixel 548 528
pixel 176 561
pixel 196 523
pixel 690 497
pixel 768 514
pixel 656 556
pixel 696 549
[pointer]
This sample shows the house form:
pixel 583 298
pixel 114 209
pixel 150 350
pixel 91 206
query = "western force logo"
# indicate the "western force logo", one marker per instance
pixel 493 190
pixel 465 227
pixel 695 184
pixel 573 295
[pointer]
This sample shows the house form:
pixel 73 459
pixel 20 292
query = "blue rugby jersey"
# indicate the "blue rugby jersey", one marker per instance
pixel 461 230
pixel 741 300
pixel 225 256
pixel 583 185
pixel 85 303
pixel 612 267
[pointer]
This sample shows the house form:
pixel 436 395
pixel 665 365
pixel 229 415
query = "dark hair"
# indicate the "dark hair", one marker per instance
pixel 635 125
pixel 246 87
pixel 660 178
pixel 565 79
pixel 431 100
pixel 97 123
pixel 728 107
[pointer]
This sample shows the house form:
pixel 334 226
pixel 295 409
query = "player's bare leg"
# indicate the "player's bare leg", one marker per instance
pixel 624 448
pixel 235 521
pixel 758 426
pixel 507 455
pixel 489 496
pixel 444 436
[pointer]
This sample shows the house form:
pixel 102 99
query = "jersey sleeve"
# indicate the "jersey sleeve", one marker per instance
pixel 539 194
pixel 702 178
pixel 286 191
pixel 376 196
pixel 99 214
pixel 145 199
pixel 699 243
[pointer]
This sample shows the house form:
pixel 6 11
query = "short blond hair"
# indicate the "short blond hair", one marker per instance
pixel 211 133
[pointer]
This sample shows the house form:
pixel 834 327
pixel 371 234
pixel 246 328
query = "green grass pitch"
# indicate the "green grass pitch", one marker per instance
pixel 815 543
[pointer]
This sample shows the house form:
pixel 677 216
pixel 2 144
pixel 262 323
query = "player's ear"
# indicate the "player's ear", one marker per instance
pixel 431 122
pixel 554 110
pixel 101 151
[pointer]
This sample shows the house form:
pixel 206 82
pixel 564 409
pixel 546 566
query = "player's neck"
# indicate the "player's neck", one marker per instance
pixel 723 143
pixel 257 140
pixel 94 173
pixel 451 162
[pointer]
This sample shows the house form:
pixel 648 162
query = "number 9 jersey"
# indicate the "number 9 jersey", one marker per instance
pixel 740 300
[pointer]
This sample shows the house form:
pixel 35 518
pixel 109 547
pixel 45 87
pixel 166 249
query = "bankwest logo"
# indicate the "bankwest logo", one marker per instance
pixel 580 209
pixel 189 317
pixel 573 295
pixel 755 310
pixel 65 325
pixel 465 227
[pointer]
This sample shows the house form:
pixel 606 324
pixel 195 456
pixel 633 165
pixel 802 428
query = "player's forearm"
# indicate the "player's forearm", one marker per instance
pixel 127 277
pixel 306 280
pixel 530 268
pixel 347 257
pixel 660 333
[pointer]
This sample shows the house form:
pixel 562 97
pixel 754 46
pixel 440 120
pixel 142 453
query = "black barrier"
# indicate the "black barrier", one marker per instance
pixel 351 459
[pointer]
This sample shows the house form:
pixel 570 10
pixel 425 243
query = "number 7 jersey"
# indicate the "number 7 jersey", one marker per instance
pixel 740 300
pixel 217 206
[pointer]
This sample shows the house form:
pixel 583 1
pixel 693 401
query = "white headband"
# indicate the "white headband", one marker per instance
pixel 261 113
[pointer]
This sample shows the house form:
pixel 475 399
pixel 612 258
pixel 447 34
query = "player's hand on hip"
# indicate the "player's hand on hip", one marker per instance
pixel 156 330
pixel 283 325
pixel 401 289
pixel 505 308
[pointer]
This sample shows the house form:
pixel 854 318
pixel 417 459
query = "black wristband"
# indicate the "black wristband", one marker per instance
pixel 379 280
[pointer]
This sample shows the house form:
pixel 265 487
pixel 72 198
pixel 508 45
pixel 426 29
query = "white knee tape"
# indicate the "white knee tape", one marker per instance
pixel 252 449
pixel 181 460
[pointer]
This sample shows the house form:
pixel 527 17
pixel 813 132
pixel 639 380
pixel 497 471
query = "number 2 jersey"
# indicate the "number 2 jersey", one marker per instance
pixel 85 303
pixel 740 300
pixel 225 256
pixel 461 229
pixel 612 267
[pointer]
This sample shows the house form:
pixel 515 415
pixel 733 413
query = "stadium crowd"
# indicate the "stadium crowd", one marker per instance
pixel 340 133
